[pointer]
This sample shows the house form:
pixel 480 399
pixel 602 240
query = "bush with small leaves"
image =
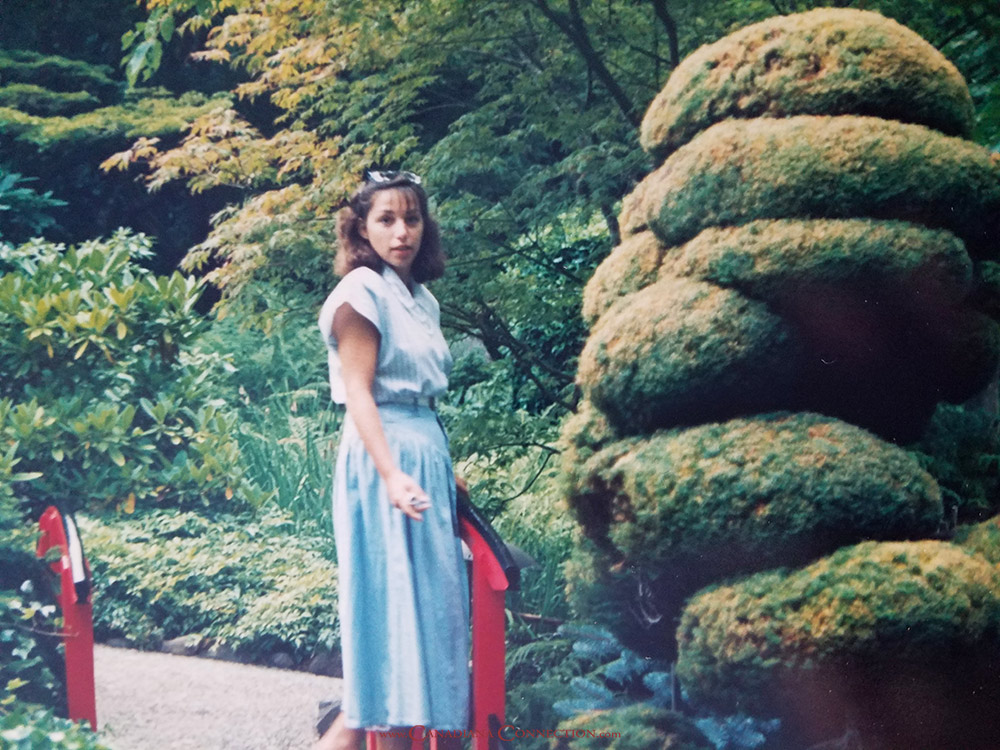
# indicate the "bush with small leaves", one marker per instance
pixel 255 586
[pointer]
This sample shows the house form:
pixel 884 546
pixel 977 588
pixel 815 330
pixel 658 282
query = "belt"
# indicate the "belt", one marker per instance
pixel 405 400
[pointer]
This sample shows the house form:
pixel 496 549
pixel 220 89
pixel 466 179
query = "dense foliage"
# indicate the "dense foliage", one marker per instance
pixel 254 587
pixel 105 403
pixel 521 116
pixel 104 394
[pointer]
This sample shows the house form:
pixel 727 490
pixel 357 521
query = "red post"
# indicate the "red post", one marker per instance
pixel 489 650
pixel 74 599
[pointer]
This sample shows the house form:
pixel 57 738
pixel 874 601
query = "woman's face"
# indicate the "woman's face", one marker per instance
pixel 394 228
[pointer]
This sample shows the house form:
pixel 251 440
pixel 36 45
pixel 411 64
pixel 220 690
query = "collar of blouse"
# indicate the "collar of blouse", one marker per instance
pixel 416 303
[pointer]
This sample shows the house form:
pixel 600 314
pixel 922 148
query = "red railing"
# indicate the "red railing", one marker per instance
pixel 59 531
pixel 493 573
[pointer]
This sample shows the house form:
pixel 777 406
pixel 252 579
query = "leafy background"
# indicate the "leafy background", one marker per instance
pixel 169 179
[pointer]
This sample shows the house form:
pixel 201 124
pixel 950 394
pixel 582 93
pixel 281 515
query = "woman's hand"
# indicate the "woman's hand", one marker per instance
pixel 461 486
pixel 407 495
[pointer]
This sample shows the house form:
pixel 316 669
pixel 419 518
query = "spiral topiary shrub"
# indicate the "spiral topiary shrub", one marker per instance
pixel 815 166
pixel 807 272
pixel 682 350
pixel 771 260
pixel 682 508
pixel 917 620
pixel 828 61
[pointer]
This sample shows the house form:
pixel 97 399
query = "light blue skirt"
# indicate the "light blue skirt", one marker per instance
pixel 403 590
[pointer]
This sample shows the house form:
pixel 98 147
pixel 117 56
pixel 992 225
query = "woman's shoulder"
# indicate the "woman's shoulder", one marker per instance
pixel 364 289
pixel 362 276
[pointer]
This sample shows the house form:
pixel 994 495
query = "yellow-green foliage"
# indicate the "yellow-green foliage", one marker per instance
pixel 883 606
pixel 771 260
pixel 981 538
pixel 35 100
pixel 813 166
pixel 682 508
pixel 827 61
pixel 157 114
pixel 683 351
pixel 638 727
pixel 57 73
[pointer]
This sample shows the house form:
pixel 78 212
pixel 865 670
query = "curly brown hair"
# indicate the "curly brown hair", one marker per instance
pixel 354 251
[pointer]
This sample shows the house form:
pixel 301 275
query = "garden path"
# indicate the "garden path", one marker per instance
pixel 155 701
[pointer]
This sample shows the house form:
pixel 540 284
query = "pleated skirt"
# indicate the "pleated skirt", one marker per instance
pixel 403 590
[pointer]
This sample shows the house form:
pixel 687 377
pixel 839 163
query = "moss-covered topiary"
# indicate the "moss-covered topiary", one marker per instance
pixel 632 265
pixel 768 259
pixel 683 508
pixel 827 61
pixel 583 433
pixel 821 167
pixel 810 257
pixel 637 727
pixel 773 259
pixel 898 631
pixel 878 306
pixel 682 351
pixel 981 538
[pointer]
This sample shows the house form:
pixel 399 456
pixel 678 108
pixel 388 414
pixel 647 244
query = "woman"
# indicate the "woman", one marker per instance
pixel 404 611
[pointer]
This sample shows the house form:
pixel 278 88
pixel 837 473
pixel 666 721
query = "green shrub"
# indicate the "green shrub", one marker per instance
pixel 145 113
pixel 820 167
pixel 31 665
pixel 105 394
pixel 825 62
pixel 252 585
pixel 537 522
pixel 919 621
pixel 35 100
pixel 672 512
pixel 25 211
pixel 31 728
pixel 58 73
pixel 682 352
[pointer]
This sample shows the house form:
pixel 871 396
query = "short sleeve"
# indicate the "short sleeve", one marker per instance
pixel 359 289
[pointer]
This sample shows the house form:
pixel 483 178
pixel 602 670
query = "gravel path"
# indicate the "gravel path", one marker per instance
pixel 154 701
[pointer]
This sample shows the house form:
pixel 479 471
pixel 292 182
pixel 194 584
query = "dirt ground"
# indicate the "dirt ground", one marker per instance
pixel 155 701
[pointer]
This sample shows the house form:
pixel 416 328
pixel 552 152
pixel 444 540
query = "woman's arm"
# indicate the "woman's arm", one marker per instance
pixel 357 345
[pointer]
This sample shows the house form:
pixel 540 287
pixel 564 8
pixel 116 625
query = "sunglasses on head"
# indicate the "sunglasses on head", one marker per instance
pixel 388 176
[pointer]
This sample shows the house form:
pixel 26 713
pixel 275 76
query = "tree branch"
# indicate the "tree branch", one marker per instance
pixel 573 27
pixel 660 8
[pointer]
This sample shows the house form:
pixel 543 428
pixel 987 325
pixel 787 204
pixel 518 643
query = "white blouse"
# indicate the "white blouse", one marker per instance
pixel 413 357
